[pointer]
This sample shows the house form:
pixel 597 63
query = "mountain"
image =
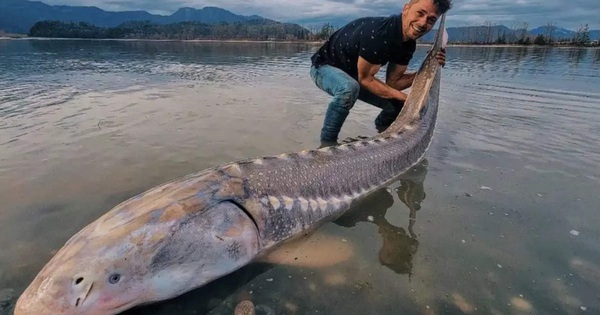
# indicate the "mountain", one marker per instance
pixel 559 33
pixel 553 31
pixel 18 16
pixel 210 15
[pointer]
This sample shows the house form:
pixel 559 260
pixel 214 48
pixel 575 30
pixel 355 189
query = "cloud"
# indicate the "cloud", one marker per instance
pixel 571 14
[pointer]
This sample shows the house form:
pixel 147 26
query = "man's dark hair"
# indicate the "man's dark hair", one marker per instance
pixel 443 5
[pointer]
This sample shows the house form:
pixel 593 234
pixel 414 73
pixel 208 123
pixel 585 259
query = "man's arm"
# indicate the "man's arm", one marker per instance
pixel 397 77
pixel 367 79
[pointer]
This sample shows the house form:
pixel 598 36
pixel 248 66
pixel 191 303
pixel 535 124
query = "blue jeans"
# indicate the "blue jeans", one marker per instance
pixel 345 91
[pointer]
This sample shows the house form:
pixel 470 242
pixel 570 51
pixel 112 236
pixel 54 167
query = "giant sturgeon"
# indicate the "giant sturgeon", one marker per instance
pixel 185 233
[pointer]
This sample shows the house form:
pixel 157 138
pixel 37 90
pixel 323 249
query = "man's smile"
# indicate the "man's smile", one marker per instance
pixel 418 29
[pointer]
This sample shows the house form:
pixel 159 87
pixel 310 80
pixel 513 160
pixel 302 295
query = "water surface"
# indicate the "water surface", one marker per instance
pixel 501 217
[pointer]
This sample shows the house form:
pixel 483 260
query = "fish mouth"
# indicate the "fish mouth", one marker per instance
pixel 120 307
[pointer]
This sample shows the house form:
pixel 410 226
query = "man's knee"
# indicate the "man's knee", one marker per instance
pixel 348 93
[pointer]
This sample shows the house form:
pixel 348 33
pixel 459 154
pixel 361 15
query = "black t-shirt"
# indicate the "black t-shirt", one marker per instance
pixel 377 39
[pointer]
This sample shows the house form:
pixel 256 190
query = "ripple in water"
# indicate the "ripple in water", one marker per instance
pixel 29 97
pixel 546 125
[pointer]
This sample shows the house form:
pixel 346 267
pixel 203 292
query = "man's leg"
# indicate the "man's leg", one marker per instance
pixel 344 90
pixel 389 108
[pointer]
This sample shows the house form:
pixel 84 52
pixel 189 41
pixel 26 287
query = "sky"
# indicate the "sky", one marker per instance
pixel 570 14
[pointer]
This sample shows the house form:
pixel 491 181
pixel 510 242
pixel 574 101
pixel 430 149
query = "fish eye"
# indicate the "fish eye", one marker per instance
pixel 114 278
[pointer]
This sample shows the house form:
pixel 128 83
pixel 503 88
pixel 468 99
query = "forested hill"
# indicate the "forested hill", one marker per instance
pixel 260 29
pixel 18 16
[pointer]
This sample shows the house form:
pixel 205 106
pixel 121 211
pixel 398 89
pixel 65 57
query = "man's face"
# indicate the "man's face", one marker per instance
pixel 418 18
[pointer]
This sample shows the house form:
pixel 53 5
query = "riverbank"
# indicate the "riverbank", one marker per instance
pixel 166 40
pixel 4 35
pixel 312 42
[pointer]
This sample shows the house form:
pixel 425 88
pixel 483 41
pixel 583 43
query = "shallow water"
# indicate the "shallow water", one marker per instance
pixel 505 206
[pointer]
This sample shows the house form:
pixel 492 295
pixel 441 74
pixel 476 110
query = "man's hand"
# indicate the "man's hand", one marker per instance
pixel 398 78
pixel 367 79
pixel 441 57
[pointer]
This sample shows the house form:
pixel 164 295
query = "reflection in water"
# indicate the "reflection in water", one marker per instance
pixel 150 49
pixel 540 55
pixel 399 247
pixel 576 56
pixel 93 55
pixel 524 63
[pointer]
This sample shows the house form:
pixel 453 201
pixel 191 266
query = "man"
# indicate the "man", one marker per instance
pixel 346 65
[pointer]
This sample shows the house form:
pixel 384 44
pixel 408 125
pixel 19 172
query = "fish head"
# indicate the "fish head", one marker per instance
pixel 117 263
pixel 93 273
pixel 87 277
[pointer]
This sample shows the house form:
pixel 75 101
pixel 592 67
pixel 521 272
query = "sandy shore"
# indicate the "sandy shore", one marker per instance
pixel 166 40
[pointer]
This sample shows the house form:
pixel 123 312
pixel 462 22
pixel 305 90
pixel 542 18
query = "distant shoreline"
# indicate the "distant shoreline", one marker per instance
pixel 164 40
pixel 267 41
pixel 515 45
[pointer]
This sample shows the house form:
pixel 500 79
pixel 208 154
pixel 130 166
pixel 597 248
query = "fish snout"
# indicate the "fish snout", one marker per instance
pixel 81 288
pixel 53 296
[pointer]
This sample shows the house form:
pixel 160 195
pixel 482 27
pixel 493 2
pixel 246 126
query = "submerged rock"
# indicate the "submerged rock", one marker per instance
pixel 6 298
pixel 245 307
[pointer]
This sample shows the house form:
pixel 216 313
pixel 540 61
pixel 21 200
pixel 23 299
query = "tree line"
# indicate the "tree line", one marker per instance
pixel 489 33
pixel 263 29
pixel 259 29
pixel 580 38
